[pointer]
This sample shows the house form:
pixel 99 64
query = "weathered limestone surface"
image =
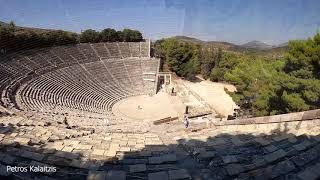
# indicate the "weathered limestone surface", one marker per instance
pixel 279 147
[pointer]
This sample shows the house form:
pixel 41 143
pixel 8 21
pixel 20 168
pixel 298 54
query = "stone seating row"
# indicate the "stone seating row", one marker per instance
pixel 93 84
pixel 122 49
pixel 92 87
pixel 210 155
pixel 47 90
pixel 46 58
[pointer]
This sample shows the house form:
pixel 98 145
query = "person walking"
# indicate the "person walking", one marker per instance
pixel 186 120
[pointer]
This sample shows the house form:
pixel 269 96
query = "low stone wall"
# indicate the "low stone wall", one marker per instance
pixel 294 123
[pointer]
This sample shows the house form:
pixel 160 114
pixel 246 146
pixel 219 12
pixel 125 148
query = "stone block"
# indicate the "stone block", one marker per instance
pixel 134 161
pixel 281 137
pixel 71 142
pixel 67 155
pixel 270 148
pixel 110 153
pixel 259 162
pixel 315 169
pixel 307 156
pixel 275 155
pixel 307 175
pixel 97 175
pixel 299 147
pixel 162 175
pixel 49 151
pixel 8 159
pixel 13 134
pixel 32 155
pixel 229 159
pixel 236 141
pixel 292 139
pixel 262 141
pixel 317 138
pixel 23 141
pixel 98 152
pixel 82 146
pixel 137 168
pixel 282 168
pixel 58 147
pixel 179 174
pixel 163 159
pixel 84 164
pixel 114 147
pixel 67 149
pixel 207 155
pixel 234 169
pixel 125 149
pixel 139 146
pixel 217 141
pixel 313 114
pixel 116 175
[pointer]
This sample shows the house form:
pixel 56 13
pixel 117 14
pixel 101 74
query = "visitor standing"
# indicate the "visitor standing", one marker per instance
pixel 186 120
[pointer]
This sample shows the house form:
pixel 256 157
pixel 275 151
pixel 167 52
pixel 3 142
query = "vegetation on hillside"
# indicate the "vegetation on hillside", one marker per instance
pixel 13 38
pixel 265 85
pixel 187 59
pixel 110 35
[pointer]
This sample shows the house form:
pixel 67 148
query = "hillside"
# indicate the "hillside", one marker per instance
pixel 21 29
pixel 217 44
pixel 253 47
pixel 256 45
pixel 188 39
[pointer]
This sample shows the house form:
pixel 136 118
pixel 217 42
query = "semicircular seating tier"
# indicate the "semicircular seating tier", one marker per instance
pixel 83 78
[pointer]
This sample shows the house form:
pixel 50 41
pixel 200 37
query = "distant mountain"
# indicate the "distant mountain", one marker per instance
pixel 256 45
pixel 217 44
pixel 285 44
pixel 253 47
pixel 188 39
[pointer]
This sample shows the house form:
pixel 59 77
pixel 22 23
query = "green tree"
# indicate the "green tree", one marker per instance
pixel 226 63
pixel 208 61
pixel 11 26
pixel 254 79
pixel 293 102
pixel 89 36
pixel 181 57
pixel 120 36
pixel 109 35
pixel 129 35
pixel 7 39
pixel 303 58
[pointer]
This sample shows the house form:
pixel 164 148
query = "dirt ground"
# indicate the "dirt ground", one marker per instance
pixel 214 94
pixel 150 108
pixel 163 105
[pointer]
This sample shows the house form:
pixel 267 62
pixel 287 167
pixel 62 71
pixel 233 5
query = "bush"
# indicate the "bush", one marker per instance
pixel 90 36
pixel 129 35
pixel 182 58
pixel 15 39
pixel 109 35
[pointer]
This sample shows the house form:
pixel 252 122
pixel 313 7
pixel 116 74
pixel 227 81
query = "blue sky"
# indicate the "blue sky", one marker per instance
pixel 237 21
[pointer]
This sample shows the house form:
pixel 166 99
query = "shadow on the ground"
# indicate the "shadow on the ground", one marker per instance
pixel 225 156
